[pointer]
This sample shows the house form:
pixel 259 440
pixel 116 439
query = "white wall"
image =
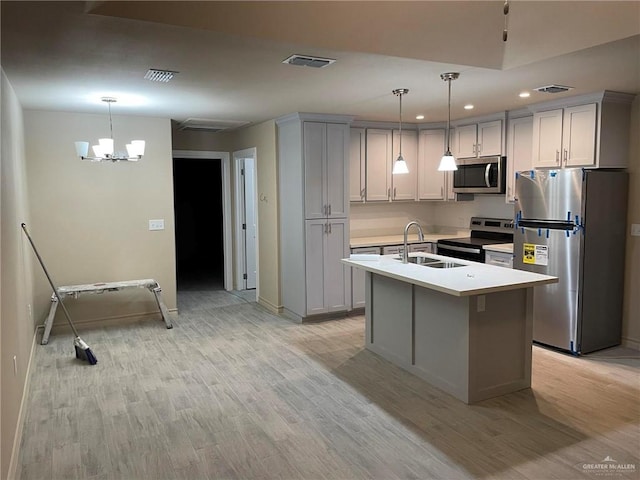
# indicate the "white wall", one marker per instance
pixel 16 283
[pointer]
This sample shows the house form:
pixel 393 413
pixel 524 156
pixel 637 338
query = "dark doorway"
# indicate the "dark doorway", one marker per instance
pixel 197 195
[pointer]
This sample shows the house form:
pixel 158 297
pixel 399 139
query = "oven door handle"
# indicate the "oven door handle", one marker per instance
pixel 458 249
pixel 486 175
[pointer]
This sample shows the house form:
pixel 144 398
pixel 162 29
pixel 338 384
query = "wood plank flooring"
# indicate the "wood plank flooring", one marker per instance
pixel 234 392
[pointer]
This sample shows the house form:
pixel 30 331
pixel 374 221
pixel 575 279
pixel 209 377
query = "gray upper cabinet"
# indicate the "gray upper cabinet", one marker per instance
pixel 431 183
pixel 326 169
pixel 378 165
pixel 357 164
pixel 583 131
pixel 478 139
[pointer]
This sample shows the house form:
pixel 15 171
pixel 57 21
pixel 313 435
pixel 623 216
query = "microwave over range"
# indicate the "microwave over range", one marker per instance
pixel 480 175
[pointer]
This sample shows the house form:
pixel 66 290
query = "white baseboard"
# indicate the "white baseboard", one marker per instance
pixel 17 439
pixel 631 343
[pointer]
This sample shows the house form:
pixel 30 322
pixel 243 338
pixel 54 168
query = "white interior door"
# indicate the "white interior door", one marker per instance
pixel 249 223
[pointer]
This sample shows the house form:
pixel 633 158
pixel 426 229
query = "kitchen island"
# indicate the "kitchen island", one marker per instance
pixel 465 328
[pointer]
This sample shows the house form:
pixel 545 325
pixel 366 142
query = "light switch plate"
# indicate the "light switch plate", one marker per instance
pixel 635 229
pixel 156 224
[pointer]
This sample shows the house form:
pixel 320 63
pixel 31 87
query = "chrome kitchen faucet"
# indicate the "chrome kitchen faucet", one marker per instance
pixel 405 252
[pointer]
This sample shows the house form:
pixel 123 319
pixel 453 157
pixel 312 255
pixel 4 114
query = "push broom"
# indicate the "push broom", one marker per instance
pixel 83 351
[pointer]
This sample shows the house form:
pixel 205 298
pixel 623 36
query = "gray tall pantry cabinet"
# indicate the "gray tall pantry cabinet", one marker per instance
pixel 313 174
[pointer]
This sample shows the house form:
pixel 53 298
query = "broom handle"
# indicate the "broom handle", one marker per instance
pixel 55 290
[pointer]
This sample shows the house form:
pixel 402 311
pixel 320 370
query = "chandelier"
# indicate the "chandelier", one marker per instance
pixel 104 150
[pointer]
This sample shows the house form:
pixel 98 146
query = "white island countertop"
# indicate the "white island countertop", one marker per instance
pixel 471 279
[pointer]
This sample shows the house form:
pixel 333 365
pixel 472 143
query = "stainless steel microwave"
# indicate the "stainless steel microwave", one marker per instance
pixel 480 175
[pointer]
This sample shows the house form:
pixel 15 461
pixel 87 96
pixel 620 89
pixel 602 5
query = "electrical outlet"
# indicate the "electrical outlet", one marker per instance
pixel 15 366
pixel 156 224
pixel 481 302
pixel 635 229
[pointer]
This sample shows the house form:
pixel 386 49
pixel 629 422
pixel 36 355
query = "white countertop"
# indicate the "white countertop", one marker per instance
pixel 382 240
pixel 471 279
pixel 500 247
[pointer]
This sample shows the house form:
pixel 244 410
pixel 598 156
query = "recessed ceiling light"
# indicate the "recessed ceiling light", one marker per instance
pixel 419 117
pixel 468 107
pixel 524 94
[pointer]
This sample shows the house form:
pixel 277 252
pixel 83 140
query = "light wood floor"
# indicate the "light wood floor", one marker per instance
pixel 235 392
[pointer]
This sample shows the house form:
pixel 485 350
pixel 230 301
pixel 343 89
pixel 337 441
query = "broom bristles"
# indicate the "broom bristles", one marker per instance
pixel 83 352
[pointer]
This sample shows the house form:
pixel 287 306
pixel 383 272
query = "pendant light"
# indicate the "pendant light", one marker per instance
pixel 104 151
pixel 400 166
pixel 448 162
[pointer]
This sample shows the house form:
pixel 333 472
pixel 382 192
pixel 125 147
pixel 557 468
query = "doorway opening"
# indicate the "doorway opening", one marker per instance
pixel 199 223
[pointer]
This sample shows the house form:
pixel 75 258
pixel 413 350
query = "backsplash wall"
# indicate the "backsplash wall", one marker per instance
pixel 382 218
pixel 458 214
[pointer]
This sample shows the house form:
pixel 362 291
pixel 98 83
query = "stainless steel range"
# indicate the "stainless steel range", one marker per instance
pixel 484 231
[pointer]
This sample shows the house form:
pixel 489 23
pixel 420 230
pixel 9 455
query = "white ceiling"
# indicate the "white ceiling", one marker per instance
pixel 66 55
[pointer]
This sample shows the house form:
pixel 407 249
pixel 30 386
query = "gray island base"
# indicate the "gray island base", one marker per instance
pixel 471 342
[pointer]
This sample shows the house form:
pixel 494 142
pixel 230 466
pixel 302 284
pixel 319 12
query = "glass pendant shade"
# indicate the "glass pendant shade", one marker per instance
pixel 447 163
pixel 82 149
pixel 400 166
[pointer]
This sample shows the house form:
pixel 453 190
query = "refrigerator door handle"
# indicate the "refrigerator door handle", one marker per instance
pixel 547 224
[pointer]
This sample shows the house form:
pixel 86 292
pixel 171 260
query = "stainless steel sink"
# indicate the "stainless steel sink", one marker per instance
pixel 420 260
pixel 432 262
pixel 445 265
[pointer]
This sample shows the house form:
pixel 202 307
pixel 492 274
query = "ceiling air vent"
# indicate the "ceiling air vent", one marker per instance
pixel 155 75
pixel 308 61
pixel 553 89
pixel 209 125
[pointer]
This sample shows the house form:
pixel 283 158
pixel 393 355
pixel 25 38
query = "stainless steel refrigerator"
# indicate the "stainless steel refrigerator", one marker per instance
pixel 570 223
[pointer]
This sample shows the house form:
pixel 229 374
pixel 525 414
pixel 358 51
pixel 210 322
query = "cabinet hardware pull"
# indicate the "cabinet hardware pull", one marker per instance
pixel 329 209
pixel 388 192
pixel 557 156
pixel 329 228
pixel 394 192
pixel 565 157
pixel 479 148
pixel 362 193
pixel 324 228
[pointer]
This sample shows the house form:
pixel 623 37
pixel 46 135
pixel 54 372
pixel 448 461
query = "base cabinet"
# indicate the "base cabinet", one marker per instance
pixel 499 259
pixel 327 279
pixel 357 278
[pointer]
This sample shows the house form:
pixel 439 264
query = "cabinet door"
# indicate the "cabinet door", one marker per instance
pixel 464 141
pixel 547 138
pixel 404 186
pixel 337 285
pixel 579 136
pixel 378 169
pixel 314 151
pixel 315 233
pixel 357 279
pixel 357 151
pixel 489 138
pixel 337 196
pixel 431 182
pixel 519 139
